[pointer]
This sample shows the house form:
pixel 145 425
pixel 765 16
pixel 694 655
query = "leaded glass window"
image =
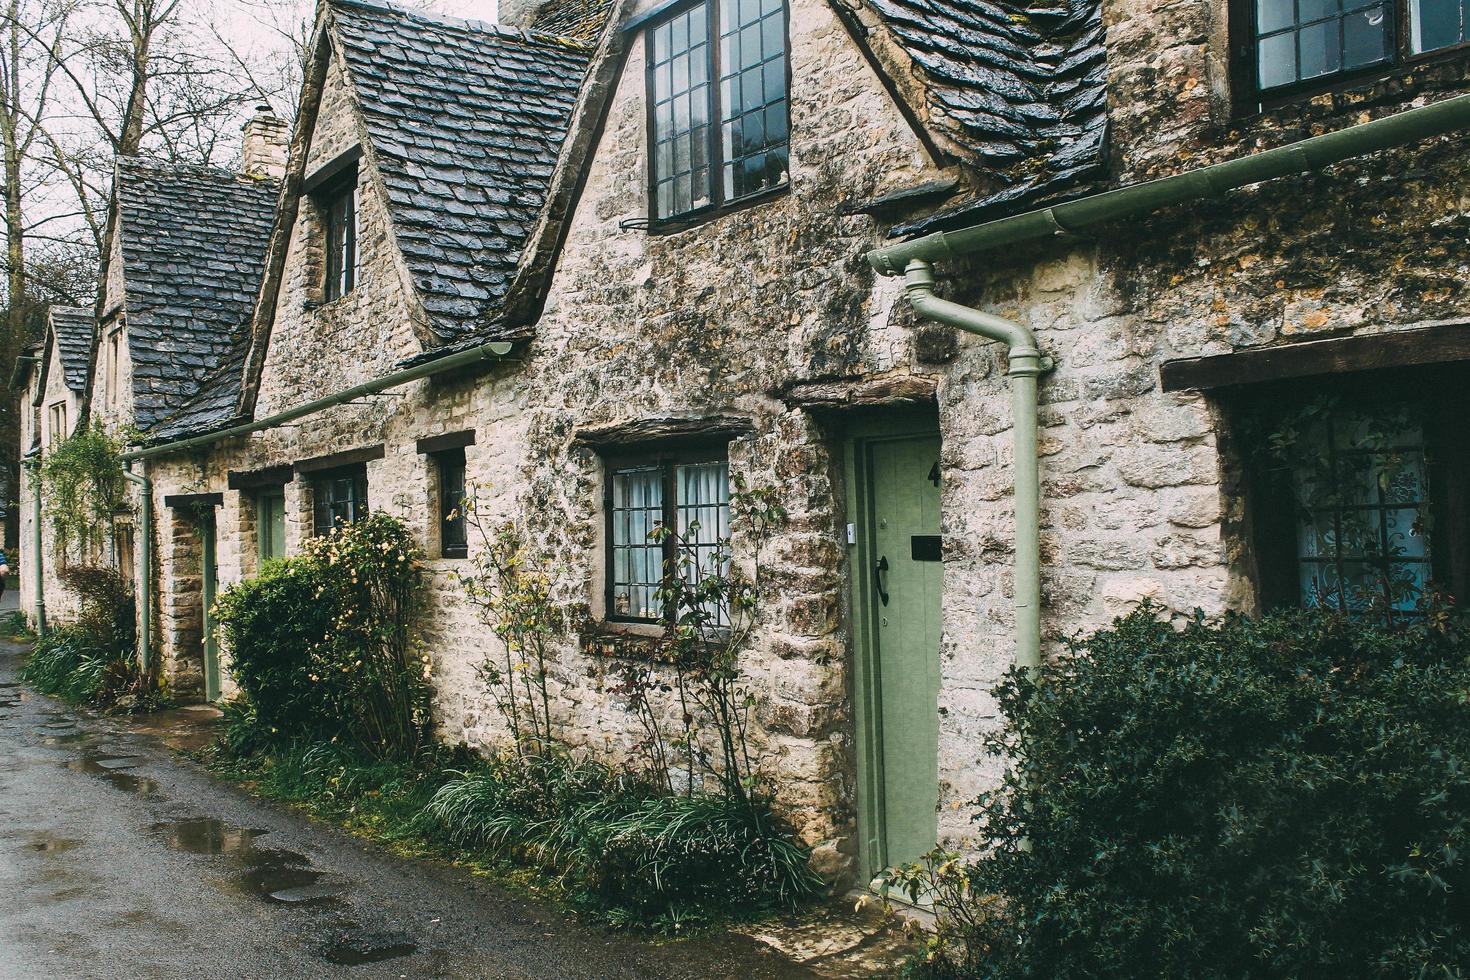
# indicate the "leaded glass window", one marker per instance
pixel 339 212
pixel 1435 24
pixel 753 112
pixel 1299 40
pixel 1362 535
pixel 690 495
pixel 453 540
pixel 339 498
pixel 696 165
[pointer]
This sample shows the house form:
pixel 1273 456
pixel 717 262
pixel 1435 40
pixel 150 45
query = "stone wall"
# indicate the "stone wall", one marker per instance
pixel 358 336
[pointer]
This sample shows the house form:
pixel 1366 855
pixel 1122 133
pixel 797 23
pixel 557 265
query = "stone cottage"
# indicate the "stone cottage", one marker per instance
pixel 608 263
pixel 187 245
pixel 52 375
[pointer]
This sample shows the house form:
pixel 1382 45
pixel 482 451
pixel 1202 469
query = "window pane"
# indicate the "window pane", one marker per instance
pixel 681 104
pixel 1362 543
pixel 637 566
pixel 1310 10
pixel 452 537
pixel 702 504
pixel 1320 49
pixel 1437 23
pixel 1274 15
pixel 1277 60
pixel 753 89
pixel 1365 37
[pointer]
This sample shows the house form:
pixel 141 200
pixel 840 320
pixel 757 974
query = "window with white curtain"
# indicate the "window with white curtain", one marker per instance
pixel 691 494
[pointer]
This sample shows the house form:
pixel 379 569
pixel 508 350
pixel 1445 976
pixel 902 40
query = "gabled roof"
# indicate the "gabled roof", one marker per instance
pixel 193 247
pixel 72 327
pixel 1016 91
pixel 465 121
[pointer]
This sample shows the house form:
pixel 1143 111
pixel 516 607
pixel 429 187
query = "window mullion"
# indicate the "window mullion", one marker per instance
pixel 671 538
pixel 716 117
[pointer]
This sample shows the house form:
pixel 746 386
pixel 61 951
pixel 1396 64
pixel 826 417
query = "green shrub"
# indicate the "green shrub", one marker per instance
pixel 93 660
pixel 625 847
pixel 1283 797
pixel 68 663
pixel 320 643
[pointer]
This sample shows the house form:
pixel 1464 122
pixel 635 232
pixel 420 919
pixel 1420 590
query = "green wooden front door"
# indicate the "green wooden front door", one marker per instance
pixel 897 581
pixel 270 525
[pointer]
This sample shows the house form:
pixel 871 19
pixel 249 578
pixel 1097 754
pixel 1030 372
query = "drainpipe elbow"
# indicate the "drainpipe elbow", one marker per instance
pixel 1025 355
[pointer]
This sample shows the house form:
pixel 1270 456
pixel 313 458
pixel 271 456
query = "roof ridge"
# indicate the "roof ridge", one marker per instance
pixel 189 169
pixel 463 23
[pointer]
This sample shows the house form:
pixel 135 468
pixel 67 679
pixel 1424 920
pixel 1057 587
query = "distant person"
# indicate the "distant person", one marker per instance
pixel 4 572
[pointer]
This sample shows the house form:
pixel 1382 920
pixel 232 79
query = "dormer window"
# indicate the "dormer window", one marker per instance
pixel 718 112
pixel 1301 46
pixel 339 222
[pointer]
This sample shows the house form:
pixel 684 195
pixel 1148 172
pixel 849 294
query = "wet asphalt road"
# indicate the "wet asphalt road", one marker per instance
pixel 119 859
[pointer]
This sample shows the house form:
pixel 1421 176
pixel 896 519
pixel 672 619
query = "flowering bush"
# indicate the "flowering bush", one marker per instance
pixel 321 643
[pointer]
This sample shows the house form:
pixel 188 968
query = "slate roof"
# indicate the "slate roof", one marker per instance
pixel 466 120
pixel 73 327
pixel 581 20
pixel 193 249
pixel 1021 86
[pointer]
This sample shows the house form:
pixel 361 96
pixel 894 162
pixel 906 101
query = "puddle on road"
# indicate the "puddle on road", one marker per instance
pixel 67 738
pixel 284 878
pixel 49 844
pixel 206 835
pixel 272 875
pixel 96 763
pixel 352 946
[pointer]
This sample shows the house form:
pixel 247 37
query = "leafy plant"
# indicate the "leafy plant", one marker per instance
pixel 321 643
pixel 630 849
pixel 85 488
pixel 93 660
pixel 509 586
pixel 1281 797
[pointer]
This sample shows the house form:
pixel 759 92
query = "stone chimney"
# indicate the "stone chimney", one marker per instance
pixel 266 137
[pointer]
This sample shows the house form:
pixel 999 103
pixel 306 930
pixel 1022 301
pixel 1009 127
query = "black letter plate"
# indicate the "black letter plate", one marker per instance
pixel 927 547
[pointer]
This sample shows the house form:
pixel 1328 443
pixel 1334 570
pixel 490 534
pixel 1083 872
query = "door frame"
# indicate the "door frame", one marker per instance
pixel 209 559
pixel 861 433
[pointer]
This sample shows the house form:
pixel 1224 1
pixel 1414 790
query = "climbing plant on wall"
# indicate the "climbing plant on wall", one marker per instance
pixel 84 487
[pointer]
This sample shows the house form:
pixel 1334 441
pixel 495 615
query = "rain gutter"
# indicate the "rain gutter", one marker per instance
pixel 914 261
pixel 494 350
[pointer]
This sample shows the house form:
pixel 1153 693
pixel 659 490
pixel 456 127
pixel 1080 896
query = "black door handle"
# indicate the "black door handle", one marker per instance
pixel 878 571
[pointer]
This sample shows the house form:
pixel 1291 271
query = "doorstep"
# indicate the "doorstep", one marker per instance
pixel 848 937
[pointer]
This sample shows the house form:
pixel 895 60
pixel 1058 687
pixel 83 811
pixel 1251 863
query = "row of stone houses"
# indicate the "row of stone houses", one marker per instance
pixel 609 257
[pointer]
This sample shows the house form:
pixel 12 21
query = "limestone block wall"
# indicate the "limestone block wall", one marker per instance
pixel 181 602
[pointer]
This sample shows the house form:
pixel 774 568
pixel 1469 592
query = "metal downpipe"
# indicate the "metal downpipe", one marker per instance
pixel 38 575
pixel 145 580
pixel 1025 366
